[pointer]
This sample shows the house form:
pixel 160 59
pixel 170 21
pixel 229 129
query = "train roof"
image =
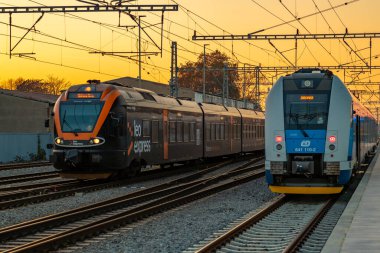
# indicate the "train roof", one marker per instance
pixel 246 113
pixel 361 109
pixel 219 109
pixel 310 73
pixel 148 98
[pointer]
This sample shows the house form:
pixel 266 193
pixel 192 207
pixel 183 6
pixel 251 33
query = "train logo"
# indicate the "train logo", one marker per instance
pixel 305 143
pixel 139 146
pixel 307 83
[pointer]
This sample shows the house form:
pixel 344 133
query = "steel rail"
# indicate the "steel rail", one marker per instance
pixel 192 190
pixel 10 166
pixel 184 179
pixel 221 240
pixel 7 189
pixel 49 191
pixel 297 241
pixel 28 177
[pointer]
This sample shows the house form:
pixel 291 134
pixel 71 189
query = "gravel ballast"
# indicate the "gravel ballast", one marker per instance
pixel 16 172
pixel 20 214
pixel 181 228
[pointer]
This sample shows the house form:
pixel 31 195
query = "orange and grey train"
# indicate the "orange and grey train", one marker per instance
pixel 106 129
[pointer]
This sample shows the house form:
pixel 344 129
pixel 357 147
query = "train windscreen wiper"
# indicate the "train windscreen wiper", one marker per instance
pixel 67 124
pixel 295 118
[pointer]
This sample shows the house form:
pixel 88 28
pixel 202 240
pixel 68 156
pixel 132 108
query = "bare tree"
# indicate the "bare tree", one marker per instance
pixel 51 85
pixel 55 85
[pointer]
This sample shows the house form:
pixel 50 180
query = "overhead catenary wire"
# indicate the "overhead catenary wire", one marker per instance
pixel 284 22
pixel 70 42
pixel 297 19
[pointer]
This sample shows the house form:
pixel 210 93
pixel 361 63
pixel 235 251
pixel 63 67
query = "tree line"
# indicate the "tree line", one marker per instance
pixel 50 85
pixel 191 76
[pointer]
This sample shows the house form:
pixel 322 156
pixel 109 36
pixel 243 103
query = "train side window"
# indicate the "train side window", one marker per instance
pixel 146 128
pixel 260 132
pixel 212 131
pixel 155 131
pixel 222 136
pixel 172 131
pixel 179 131
pixel 226 131
pixel 186 132
pixel 217 131
pixel 208 131
pixel 192 131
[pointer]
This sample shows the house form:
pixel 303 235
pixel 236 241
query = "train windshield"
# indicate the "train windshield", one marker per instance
pixel 306 111
pixel 79 116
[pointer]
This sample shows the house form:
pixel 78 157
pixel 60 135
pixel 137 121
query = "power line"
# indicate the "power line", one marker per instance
pixel 298 20
pixel 63 65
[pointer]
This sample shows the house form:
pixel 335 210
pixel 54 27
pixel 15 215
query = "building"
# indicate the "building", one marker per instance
pixel 26 125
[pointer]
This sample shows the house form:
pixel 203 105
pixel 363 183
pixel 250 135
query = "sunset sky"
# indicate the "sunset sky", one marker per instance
pixel 62 42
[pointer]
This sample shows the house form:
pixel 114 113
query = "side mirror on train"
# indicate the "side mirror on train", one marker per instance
pixel 47 123
pixel 49 146
pixel 353 111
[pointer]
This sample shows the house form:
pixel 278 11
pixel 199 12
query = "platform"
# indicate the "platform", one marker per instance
pixel 358 229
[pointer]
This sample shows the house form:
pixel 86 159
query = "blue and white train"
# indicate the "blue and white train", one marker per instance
pixel 316 133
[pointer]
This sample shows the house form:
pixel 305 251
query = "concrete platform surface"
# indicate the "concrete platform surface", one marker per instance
pixel 358 229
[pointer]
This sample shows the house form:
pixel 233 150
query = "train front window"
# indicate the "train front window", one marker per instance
pixel 79 117
pixel 306 111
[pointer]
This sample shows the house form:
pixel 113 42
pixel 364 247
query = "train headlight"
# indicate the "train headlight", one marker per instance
pixel 331 146
pixel 332 139
pixel 278 146
pixel 96 141
pixel 278 138
pixel 58 140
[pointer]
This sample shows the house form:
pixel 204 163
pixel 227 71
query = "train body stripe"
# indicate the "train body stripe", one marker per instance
pixel 305 190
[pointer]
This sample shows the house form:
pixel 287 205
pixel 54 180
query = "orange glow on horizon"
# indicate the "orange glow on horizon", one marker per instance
pixel 68 47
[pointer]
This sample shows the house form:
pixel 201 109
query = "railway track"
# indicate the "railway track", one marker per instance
pixel 11 166
pixel 49 232
pixel 28 177
pixel 282 226
pixel 35 193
